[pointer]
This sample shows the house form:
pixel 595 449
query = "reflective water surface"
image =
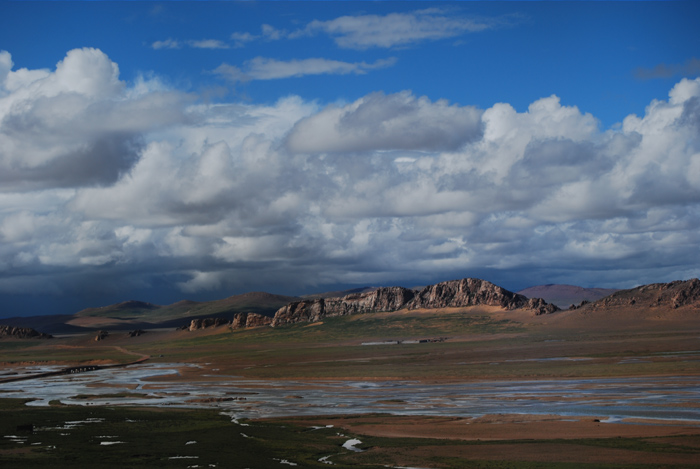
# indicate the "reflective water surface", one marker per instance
pixel 657 399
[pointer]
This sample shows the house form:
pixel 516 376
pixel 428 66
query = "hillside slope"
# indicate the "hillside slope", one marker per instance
pixel 138 313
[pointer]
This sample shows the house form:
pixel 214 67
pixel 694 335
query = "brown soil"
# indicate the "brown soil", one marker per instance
pixel 497 427
pixel 529 438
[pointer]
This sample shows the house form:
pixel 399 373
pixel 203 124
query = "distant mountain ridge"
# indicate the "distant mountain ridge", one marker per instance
pixel 257 309
pixel 566 295
pixel 143 315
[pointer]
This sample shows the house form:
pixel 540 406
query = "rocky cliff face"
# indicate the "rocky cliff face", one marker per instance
pixel 205 323
pixel 247 320
pixel 473 292
pixel 382 299
pixel 22 333
pixel 466 292
pixel 239 321
pixel 455 293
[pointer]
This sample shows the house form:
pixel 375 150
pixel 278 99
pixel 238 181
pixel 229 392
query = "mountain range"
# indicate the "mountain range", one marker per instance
pixel 255 309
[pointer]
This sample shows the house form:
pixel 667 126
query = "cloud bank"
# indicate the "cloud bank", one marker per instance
pixel 114 186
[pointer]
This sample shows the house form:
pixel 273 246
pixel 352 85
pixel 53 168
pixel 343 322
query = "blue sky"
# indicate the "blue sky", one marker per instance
pixel 159 151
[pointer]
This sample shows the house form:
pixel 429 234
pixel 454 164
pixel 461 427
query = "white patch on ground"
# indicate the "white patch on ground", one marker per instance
pixel 77 423
pixel 325 460
pixel 108 443
pixel 315 427
pixel 350 444
pixel 191 443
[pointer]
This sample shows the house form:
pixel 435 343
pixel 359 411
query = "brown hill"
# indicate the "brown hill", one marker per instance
pixel 565 295
pixel 660 306
pixel 131 314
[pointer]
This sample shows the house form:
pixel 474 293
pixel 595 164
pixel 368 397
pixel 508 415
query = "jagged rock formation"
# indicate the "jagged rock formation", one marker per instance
pixel 472 292
pixel 101 335
pixel 580 305
pixel 673 295
pixel 205 323
pixel 135 333
pixel 248 320
pixel 455 293
pixel 381 299
pixel 22 333
pixel 240 321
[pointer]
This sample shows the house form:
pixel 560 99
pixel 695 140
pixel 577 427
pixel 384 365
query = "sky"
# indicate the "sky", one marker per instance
pixel 163 151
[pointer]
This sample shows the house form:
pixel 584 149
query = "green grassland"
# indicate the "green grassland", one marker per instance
pixel 38 352
pixel 67 436
pixel 477 345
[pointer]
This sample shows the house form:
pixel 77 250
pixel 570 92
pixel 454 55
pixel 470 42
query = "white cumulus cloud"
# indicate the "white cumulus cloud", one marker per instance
pixel 77 125
pixel 110 185
pixel 386 122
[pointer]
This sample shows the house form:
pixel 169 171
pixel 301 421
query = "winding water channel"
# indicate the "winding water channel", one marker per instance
pixel 655 399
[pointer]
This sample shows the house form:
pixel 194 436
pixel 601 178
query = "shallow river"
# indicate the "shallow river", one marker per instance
pixel 657 399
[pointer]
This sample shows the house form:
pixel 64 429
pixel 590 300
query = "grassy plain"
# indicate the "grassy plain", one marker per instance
pixel 106 437
pixel 480 344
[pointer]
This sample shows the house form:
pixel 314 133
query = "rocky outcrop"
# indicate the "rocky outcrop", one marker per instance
pixel 205 323
pixel 466 292
pixel 22 333
pixel 135 333
pixel 257 320
pixel 539 306
pixel 381 299
pixel 101 335
pixel 673 295
pixel 248 320
pixel 455 293
pixel 239 321
pixel 473 292
pixel 300 311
